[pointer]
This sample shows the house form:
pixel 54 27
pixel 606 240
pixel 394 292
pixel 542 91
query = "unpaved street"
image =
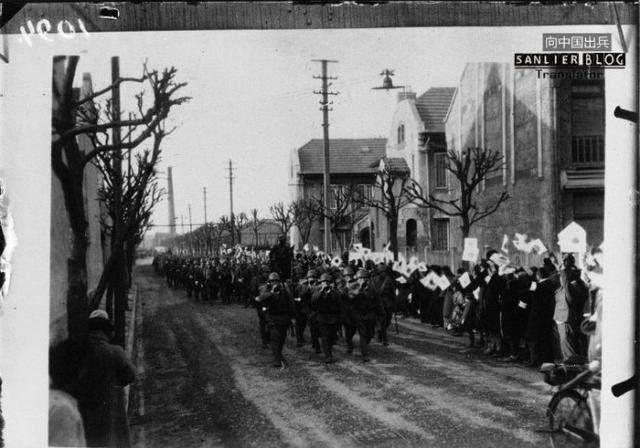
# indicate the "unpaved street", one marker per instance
pixel 205 381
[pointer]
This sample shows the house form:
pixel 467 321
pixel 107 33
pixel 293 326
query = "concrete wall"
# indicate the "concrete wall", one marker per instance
pixel 521 128
pixel 61 237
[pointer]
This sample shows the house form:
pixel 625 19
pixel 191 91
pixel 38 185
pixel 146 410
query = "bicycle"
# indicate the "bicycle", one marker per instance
pixel 573 415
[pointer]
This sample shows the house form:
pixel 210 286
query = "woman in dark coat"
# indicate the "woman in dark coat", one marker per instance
pixel 540 323
pixel 494 285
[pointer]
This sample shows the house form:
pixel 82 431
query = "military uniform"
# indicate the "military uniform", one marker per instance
pixel 278 305
pixel 325 304
pixel 383 286
pixel 304 293
pixel 367 309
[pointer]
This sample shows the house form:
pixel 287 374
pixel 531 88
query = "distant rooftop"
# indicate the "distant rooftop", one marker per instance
pixel 346 155
pixel 433 106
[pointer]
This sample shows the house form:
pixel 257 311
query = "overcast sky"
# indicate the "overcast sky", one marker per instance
pixel 253 95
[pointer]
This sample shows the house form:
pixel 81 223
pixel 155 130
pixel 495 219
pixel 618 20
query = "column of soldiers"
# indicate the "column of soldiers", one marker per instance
pixel 229 278
pixel 292 293
pixel 332 303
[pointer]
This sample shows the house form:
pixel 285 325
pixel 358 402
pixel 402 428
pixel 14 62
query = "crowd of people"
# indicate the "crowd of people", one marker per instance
pixel 529 315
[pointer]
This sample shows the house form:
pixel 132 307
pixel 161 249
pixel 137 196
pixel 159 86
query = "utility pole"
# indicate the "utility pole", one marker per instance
pixel 204 193
pixel 117 242
pixel 325 125
pixel 231 218
pixel 172 208
pixel 182 222
pixel 190 223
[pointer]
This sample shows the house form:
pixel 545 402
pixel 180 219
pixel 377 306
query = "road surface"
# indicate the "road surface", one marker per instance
pixel 205 381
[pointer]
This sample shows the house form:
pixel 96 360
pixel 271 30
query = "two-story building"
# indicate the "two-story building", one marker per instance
pixel 549 128
pixel 418 135
pixel 351 162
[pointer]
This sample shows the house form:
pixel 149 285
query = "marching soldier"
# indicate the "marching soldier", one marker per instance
pixel 304 292
pixel 326 306
pixel 367 308
pixel 347 316
pixel 277 304
pixel 383 287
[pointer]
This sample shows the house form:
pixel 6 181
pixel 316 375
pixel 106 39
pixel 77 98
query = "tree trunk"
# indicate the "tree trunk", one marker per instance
pixel 120 298
pixel 77 304
pixel 466 229
pixel 393 236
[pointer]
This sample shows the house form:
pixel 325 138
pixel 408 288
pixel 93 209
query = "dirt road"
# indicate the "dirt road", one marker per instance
pixel 205 381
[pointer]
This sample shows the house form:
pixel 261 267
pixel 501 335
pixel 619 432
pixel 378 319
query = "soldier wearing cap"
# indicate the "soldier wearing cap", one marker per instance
pixel 347 317
pixel 367 309
pixel 302 302
pixel 325 304
pixel 276 302
pixel 383 287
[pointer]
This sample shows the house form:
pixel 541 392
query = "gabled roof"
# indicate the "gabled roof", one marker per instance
pixel 395 165
pixel 433 105
pixel 346 155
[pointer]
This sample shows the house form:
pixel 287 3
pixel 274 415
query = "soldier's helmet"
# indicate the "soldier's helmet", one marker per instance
pixel 362 274
pixel 274 277
pixel 312 273
pixel 325 278
pixel 347 272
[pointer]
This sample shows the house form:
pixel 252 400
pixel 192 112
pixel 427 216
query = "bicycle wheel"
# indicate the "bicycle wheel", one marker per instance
pixel 570 421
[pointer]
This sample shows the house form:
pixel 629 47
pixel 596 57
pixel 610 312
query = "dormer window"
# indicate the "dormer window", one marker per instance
pixel 401 134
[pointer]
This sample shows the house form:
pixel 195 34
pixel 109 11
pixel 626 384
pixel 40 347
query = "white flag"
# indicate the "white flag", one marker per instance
pixel 471 251
pixel 443 282
pixel 464 280
pixel 538 246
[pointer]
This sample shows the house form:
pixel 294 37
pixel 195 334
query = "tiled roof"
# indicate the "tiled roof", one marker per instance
pixel 346 155
pixel 396 165
pixel 433 106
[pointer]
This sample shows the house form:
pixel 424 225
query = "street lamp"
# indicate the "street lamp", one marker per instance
pixel 387 83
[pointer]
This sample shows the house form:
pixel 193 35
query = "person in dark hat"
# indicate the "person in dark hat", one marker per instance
pixel 280 257
pixel 302 302
pixel 540 323
pixel 367 309
pixel 326 306
pixel 347 318
pixel 383 286
pixel 105 371
pixel 570 297
pixel 277 303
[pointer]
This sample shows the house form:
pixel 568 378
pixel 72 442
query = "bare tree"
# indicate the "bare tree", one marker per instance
pixel 389 197
pixel 469 168
pixel 91 116
pixel 255 225
pixel 239 222
pixel 282 214
pixel 303 214
pixel 343 211
pixel 139 194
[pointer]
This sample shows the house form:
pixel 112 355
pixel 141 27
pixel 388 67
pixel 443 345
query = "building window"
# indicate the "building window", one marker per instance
pixel 587 149
pixel 334 193
pixel 401 134
pixel 440 166
pixel 440 234
pixel 411 232
pixel 365 191
pixel 587 122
